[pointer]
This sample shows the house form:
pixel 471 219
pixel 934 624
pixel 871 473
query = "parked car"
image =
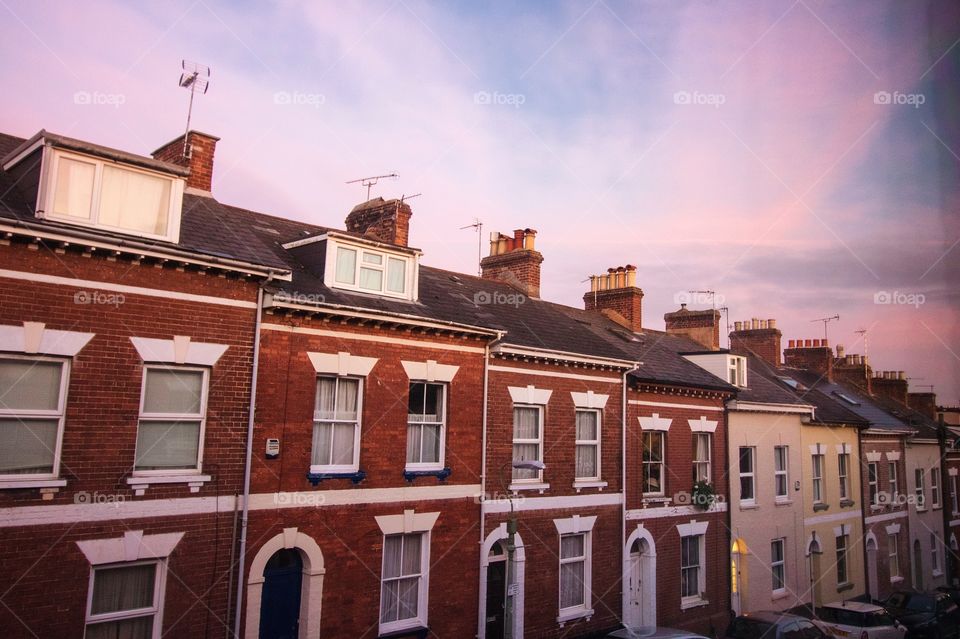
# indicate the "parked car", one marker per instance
pixel 651 632
pixel 859 620
pixel 953 592
pixel 774 625
pixel 930 615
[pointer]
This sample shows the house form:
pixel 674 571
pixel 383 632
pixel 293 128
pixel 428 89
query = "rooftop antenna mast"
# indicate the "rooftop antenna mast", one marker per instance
pixel 726 314
pixel 863 334
pixel 712 294
pixel 196 78
pixel 373 179
pixel 478 225
pixel 826 320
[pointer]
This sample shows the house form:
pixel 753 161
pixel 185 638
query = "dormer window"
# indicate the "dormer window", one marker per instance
pixel 737 370
pixel 370 269
pixel 85 190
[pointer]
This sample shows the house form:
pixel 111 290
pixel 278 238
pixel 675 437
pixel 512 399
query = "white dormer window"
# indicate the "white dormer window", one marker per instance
pixel 85 190
pixel 357 267
pixel 737 370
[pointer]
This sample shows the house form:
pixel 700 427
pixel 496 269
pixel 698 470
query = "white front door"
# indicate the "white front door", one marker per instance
pixel 633 617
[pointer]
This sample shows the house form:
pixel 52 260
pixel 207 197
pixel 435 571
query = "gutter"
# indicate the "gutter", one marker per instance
pixel 248 462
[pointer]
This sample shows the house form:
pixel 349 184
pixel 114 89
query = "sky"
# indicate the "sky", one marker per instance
pixel 800 159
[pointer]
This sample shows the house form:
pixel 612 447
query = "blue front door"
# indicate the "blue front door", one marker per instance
pixel 280 601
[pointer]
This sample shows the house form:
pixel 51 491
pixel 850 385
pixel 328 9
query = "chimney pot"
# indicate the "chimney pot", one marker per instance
pixel 901 374
pixel 807 343
pixel 771 323
pixel 839 351
pixel 737 326
pixel 824 342
pixel 791 343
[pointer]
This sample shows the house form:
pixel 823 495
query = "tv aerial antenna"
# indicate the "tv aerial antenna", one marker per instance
pixel 712 294
pixel 196 78
pixel 478 225
pixel 863 334
pixel 372 180
pixel 826 320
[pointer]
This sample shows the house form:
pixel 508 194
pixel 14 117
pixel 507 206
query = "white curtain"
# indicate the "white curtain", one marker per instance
pixel 73 195
pixel 135 201
pixel 336 399
pixel 125 588
pixel 167 445
pixel 326 396
pixel 347 394
pixel 27 446
pixel 396 275
pixel 413 443
pixel 586 454
pixel 346 265
pixel 526 426
pixel 138 628
pixel 401 577
pixel 173 391
pixel 571 572
pixel 371 279
pixel 29 385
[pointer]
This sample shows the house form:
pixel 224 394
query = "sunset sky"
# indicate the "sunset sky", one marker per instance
pixel 801 159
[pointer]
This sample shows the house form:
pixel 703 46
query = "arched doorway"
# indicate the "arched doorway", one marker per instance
pixel 640 580
pixel 280 598
pixel 493 584
pixel 873 583
pixel 813 554
pixel 917 565
pixel 738 577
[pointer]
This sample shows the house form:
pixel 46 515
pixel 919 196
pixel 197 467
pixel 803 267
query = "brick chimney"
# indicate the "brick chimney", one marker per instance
pixel 383 220
pixel 853 369
pixel 200 149
pixel 615 294
pixel 811 354
pixel 513 260
pixel 890 384
pixel 925 403
pixel 702 327
pixel 759 337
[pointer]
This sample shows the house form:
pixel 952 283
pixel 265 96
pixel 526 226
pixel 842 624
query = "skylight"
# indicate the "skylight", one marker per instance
pixel 791 382
pixel 846 398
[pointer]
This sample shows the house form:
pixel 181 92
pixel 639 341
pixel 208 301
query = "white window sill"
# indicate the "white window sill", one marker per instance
pixel 896 580
pixel 655 499
pixel 580 485
pixel 783 502
pixel 574 613
pixel 541 486
pixel 140 484
pixel 876 507
pixel 748 505
pixel 33 483
pixel 938 573
pixel 778 594
pixel 693 603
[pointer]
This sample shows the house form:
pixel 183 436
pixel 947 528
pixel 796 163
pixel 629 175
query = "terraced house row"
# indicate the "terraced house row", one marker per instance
pixel 219 422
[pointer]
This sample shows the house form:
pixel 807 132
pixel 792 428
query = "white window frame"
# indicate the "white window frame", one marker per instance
pixel 572 612
pixel 893 555
pixel 935 487
pixel 843 546
pixel 781 565
pixel 662 436
pixel 420 620
pixel 538 441
pixel 737 370
pixel 155 611
pixel 707 463
pixel 19 479
pixel 893 482
pixel 920 489
pixel 202 418
pixel 816 476
pixel 50 189
pixel 751 475
pixel 693 600
pixel 953 493
pixel 781 472
pixel 843 474
pixel 588 442
pixel 935 556
pixel 355 465
pixel 409 270
pixel 873 485
pixel 437 465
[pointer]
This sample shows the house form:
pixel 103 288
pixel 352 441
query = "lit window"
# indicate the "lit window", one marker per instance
pixel 701 457
pixel 893 544
pixel 781 471
pixel 425 426
pixel 919 489
pixel 97 193
pixel 527 440
pixel 777 565
pixel 336 425
pixel 588 444
pixel 935 487
pixel 653 463
pixel 817 478
pixel 574 572
pixel 404 582
pixel 872 482
pixel 173 407
pixel 748 492
pixel 32 398
pixel 692 577
pixel 124 601
pixel 843 541
pixel 843 466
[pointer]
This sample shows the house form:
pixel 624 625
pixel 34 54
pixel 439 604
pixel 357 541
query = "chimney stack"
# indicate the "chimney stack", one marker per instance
pixel 853 369
pixel 615 294
pixel 925 403
pixel 384 220
pixel 200 149
pixel 809 354
pixel 515 261
pixel 702 327
pixel 891 385
pixel 763 341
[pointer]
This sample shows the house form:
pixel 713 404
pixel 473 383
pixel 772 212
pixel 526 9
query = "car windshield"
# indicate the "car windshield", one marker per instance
pixel 920 604
pixel 878 618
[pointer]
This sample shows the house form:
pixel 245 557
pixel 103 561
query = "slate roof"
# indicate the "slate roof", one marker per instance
pixel 765 387
pixel 831 407
pixel 663 361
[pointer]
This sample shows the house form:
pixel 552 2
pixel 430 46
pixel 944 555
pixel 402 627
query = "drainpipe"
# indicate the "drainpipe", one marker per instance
pixel 483 455
pixel 945 499
pixel 244 519
pixel 863 522
pixel 623 489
